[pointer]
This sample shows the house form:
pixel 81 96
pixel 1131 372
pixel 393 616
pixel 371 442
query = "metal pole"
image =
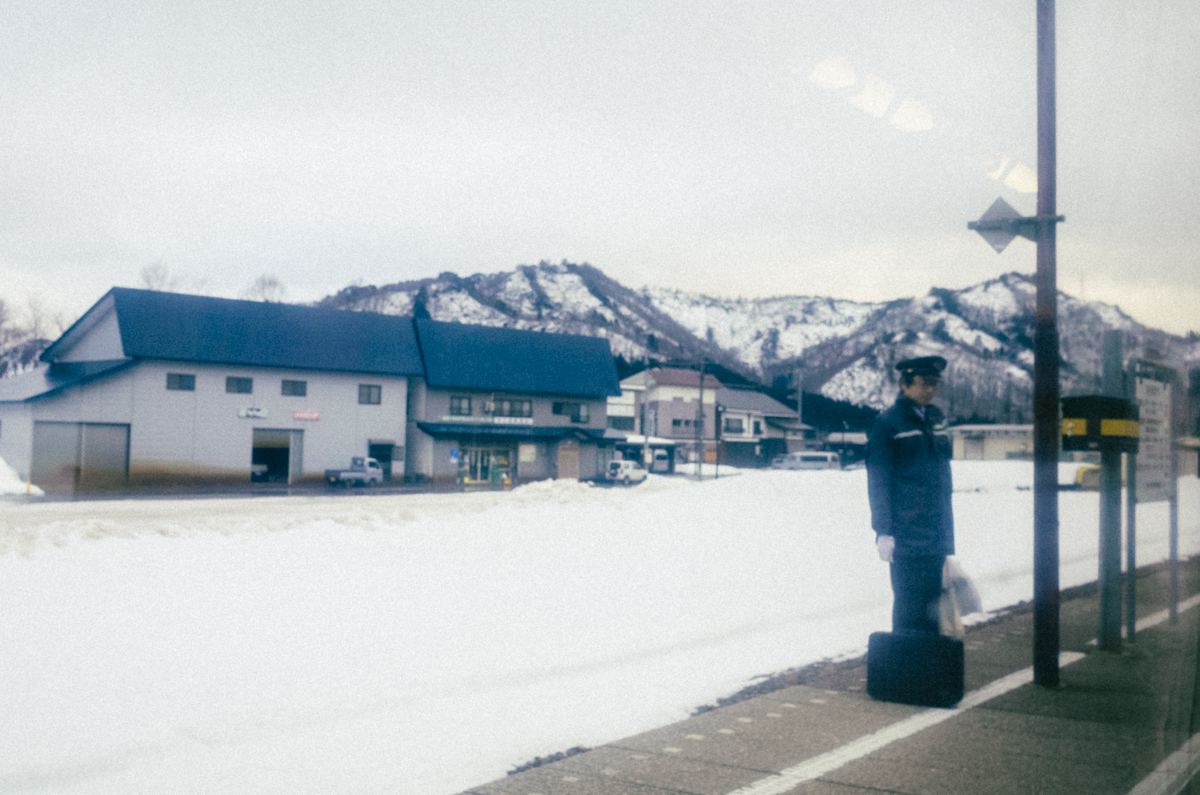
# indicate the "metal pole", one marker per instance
pixel 1130 545
pixel 1173 538
pixel 698 428
pixel 1173 502
pixel 1108 637
pixel 1045 372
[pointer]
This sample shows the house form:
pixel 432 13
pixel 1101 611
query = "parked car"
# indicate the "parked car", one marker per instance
pixel 362 472
pixel 808 459
pixel 627 472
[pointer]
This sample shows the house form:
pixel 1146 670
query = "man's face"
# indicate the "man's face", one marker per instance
pixel 921 391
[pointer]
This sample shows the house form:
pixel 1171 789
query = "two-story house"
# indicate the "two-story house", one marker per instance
pixel 756 427
pixel 150 388
pixel 666 404
pixel 500 406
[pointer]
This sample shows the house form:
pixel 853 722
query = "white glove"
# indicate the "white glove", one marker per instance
pixel 886 546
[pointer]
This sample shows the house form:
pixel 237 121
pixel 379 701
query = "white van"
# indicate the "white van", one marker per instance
pixel 626 472
pixel 809 459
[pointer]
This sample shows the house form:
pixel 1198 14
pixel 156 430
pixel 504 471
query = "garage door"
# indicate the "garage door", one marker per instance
pixel 80 456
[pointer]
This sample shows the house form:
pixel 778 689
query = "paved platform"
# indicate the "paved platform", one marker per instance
pixel 1118 723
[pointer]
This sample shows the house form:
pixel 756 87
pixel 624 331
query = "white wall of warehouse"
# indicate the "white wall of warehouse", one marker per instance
pixel 191 436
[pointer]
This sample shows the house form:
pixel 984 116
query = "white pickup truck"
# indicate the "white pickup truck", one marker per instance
pixel 362 472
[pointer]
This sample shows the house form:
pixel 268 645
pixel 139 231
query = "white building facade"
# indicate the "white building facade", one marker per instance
pixel 157 389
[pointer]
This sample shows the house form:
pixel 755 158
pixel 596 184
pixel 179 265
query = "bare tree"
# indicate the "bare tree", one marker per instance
pixel 265 288
pixel 39 323
pixel 157 276
pixel 8 332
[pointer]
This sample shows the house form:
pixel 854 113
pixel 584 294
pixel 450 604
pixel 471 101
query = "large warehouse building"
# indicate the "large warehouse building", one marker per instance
pixel 152 388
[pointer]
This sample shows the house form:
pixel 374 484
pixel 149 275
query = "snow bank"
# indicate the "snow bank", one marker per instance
pixel 11 484
pixel 423 644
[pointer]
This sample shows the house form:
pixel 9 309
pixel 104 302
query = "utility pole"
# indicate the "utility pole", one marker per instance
pixel 699 427
pixel 998 226
pixel 1045 368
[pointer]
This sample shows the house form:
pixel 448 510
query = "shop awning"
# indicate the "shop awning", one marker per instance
pixel 458 430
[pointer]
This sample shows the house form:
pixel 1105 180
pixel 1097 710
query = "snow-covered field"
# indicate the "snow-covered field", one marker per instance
pixel 427 643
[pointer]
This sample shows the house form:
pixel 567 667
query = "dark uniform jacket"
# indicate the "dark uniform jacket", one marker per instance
pixel 908 479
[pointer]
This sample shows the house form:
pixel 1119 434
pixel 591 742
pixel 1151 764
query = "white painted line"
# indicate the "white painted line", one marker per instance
pixel 832 760
pixel 1163 615
pixel 1170 777
pixel 1154 619
pixel 857 749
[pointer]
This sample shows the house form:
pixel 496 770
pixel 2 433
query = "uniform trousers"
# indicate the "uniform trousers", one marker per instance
pixel 917 587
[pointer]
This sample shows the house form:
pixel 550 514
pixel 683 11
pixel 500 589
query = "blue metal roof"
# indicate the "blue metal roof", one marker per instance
pixel 156 325
pixel 47 380
pixel 459 356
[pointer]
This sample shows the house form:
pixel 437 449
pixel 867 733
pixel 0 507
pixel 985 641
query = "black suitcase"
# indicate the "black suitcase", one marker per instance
pixel 915 668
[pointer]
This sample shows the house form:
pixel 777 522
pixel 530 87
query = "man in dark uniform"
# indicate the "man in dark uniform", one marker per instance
pixel 908 483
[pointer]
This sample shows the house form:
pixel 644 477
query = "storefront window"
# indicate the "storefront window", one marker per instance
pixel 491 466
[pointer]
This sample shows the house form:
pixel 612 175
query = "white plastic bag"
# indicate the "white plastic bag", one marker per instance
pixel 965 592
pixel 959 597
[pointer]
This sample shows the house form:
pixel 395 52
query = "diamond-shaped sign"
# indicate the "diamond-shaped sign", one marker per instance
pixel 1000 224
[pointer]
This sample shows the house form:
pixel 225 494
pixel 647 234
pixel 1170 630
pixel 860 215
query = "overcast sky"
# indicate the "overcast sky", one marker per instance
pixel 752 149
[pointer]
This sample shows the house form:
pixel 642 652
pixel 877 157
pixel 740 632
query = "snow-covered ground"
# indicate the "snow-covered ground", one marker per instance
pixel 427 643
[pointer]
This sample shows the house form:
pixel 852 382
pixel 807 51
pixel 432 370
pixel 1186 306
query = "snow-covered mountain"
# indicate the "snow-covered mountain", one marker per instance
pixel 843 349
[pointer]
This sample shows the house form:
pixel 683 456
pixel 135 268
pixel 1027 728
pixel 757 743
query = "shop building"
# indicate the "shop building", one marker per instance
pixel 497 407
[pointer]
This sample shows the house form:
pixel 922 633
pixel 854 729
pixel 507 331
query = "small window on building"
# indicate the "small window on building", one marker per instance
pixel 621 423
pixel 757 428
pixel 370 394
pixel 460 406
pixel 578 412
pixel 294 388
pixel 508 407
pixel 240 386
pixel 676 423
pixel 734 425
pixel 184 382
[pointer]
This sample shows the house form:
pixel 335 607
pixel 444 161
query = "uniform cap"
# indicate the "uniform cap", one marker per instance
pixel 924 366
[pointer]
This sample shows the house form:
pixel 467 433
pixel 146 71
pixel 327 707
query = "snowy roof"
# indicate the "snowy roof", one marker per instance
pixel 195 328
pixel 47 380
pixel 481 357
pixel 751 400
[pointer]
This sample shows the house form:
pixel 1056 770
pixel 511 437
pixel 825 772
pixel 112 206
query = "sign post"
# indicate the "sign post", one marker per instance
pixel 998 226
pixel 1156 465
pixel 1108 425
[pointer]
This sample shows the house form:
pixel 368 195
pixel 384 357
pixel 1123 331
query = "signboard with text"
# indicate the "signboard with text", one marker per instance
pixel 1155 470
